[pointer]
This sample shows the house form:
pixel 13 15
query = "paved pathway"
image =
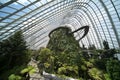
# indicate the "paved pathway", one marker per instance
pixel 36 75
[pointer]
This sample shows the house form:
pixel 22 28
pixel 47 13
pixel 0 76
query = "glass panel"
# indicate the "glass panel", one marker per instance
pixel 3 14
pixel 24 2
pixel 7 9
pixel 16 5
pixel 4 1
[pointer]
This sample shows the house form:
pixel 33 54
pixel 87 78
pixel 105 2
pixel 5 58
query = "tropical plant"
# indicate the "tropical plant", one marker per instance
pixel 24 74
pixel 68 58
pixel 46 60
pixel 14 77
pixel 27 71
pixel 96 74
pixel 113 69
pixel 44 54
pixel 107 77
pixel 68 71
pixel 14 49
pixel 13 52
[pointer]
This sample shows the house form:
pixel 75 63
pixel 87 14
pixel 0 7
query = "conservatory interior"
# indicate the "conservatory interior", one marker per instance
pixel 59 39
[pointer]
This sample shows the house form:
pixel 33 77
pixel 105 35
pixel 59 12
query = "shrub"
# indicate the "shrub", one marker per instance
pixel 113 69
pixel 14 77
pixel 96 74
pixel 68 71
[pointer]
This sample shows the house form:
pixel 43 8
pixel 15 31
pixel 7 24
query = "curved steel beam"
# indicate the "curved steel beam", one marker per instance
pixel 111 20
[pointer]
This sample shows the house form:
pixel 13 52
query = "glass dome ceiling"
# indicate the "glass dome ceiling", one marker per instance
pixel 37 18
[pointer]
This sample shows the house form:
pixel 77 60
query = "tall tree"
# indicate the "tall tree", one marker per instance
pixel 13 50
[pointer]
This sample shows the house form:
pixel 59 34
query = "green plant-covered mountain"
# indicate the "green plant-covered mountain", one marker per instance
pixel 65 49
pixel 64 56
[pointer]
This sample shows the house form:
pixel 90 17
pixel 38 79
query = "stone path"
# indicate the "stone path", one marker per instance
pixel 36 75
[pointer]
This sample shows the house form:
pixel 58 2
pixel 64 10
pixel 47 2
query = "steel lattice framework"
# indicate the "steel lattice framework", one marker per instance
pixel 37 18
